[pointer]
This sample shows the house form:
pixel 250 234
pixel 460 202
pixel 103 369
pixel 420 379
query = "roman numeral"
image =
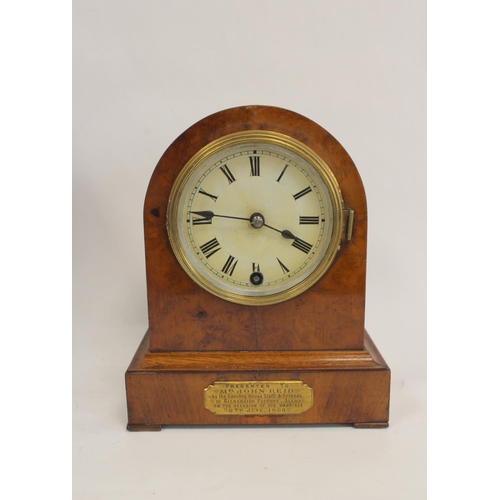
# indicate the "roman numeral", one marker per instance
pixel 229 266
pixel 199 222
pixel 309 220
pixel 302 193
pixel 283 267
pixel 254 165
pixel 201 191
pixel 282 172
pixel 210 247
pixel 255 267
pixel 227 173
pixel 301 245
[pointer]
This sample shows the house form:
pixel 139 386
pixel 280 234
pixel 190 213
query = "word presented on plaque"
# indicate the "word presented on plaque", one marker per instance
pixel 273 397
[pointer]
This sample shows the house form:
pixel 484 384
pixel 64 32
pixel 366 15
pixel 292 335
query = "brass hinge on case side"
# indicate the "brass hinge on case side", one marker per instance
pixel 347 224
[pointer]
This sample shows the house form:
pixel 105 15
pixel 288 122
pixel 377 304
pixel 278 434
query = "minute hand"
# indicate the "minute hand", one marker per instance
pixel 208 214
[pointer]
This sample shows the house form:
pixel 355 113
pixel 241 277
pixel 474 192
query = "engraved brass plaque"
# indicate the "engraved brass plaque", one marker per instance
pixel 268 397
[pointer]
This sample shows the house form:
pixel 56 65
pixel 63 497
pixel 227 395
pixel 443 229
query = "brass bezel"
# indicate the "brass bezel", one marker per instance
pixel 267 137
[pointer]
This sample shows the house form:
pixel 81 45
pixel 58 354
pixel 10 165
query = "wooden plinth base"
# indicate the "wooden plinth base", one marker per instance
pixel 349 387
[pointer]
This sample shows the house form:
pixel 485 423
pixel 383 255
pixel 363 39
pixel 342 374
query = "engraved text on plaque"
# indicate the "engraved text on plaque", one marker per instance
pixel 272 397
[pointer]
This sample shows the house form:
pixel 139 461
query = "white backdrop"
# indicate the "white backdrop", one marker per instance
pixel 144 71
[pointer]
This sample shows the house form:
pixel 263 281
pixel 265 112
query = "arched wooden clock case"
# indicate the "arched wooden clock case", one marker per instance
pixel 197 343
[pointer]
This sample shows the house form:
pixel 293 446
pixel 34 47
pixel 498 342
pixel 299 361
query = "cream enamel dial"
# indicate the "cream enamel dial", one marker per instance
pixel 255 218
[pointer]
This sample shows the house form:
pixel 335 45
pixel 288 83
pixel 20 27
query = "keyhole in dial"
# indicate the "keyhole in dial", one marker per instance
pixel 257 278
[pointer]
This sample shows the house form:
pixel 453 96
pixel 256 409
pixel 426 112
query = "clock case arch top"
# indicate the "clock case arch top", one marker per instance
pixel 185 317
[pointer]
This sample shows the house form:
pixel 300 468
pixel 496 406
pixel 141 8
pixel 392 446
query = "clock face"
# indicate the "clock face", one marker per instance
pixel 255 218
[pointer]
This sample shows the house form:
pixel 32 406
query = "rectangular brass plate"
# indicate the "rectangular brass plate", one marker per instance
pixel 267 397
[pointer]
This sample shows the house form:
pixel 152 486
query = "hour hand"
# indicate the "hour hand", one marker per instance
pixel 288 235
pixel 285 233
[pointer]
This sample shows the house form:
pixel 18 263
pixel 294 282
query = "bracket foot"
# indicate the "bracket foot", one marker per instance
pixel 144 427
pixel 370 425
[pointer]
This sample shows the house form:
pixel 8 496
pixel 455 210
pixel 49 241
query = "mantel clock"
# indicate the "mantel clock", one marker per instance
pixel 255 227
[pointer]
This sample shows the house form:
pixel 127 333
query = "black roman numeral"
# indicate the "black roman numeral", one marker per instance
pixel 302 193
pixel 210 247
pixel 282 172
pixel 199 222
pixel 283 267
pixel 201 191
pixel 254 165
pixel 227 173
pixel 309 220
pixel 301 245
pixel 229 266
pixel 255 267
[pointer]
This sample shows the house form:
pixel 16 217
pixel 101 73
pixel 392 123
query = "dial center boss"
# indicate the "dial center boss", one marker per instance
pixel 257 220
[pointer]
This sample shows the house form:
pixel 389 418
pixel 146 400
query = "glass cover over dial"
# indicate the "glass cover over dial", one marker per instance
pixel 255 217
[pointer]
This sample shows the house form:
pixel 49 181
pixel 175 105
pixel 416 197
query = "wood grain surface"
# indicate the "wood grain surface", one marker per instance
pixel 183 316
pixel 196 339
pixel 344 390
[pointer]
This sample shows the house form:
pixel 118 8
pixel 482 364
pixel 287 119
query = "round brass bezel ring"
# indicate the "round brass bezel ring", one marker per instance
pixel 266 137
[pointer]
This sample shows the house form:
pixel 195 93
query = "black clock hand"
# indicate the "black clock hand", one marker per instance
pixel 301 245
pixel 208 214
pixel 285 233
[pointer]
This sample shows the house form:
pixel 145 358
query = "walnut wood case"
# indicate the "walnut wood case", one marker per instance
pixel 195 338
